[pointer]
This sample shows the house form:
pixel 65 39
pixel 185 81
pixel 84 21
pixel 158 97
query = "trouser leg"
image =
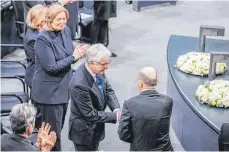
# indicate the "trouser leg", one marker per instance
pixel 95 29
pixel 86 147
pixel 103 33
pixel 53 114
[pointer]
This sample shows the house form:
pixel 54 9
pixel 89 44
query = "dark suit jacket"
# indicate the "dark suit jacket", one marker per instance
pixel 145 122
pixel 73 17
pixel 14 142
pixel 87 116
pixel 29 42
pixel 103 10
pixel 52 68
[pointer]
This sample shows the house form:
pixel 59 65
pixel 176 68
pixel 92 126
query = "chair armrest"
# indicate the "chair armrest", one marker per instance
pixel 15 77
pixel 80 17
pixel 19 22
pixel 12 95
pixel 12 45
pixel 4 128
pixel 18 62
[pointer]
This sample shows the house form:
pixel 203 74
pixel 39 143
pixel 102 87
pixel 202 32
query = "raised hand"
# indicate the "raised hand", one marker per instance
pixel 43 134
pixel 80 50
pixel 50 142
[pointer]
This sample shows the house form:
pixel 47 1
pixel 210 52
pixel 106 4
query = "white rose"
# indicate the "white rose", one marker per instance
pixel 225 101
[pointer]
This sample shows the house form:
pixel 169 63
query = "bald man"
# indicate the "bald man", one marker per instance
pixel 145 118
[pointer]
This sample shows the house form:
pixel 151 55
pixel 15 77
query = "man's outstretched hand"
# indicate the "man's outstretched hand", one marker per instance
pixel 46 140
pixel 43 134
pixel 50 142
pixel 118 114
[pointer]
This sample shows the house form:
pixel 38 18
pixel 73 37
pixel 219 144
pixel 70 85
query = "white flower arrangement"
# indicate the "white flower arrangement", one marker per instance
pixel 197 63
pixel 214 93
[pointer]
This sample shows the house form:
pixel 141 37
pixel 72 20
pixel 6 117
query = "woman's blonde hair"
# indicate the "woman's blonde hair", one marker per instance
pixel 36 16
pixel 52 12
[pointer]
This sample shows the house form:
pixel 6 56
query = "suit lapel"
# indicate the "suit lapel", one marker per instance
pixel 93 85
pixel 65 40
pixel 97 92
pixel 104 86
pixel 67 43
pixel 59 45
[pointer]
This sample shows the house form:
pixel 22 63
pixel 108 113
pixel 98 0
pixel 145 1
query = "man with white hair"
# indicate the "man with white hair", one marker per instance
pixel 145 118
pixel 90 95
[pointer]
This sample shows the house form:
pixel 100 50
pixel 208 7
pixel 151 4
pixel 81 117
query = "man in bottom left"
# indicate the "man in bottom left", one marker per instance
pixel 22 120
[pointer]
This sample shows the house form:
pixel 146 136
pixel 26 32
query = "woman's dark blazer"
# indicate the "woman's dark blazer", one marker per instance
pixel 29 42
pixel 52 68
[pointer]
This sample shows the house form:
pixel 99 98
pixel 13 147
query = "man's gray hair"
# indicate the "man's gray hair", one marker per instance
pixel 96 52
pixel 147 76
pixel 21 116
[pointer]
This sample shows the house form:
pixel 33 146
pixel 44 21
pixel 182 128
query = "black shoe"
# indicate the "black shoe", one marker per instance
pixel 113 55
pixel 129 2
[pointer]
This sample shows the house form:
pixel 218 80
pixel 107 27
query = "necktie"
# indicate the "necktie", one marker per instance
pixel 99 83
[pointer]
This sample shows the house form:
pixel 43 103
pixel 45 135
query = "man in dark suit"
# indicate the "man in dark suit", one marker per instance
pixel 145 118
pixel 103 10
pixel 90 95
pixel 22 120
pixel 71 6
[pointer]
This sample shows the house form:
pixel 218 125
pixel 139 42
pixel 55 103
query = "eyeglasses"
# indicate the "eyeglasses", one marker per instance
pixel 105 65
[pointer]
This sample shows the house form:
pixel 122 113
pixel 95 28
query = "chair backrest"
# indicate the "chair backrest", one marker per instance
pixel 5 130
pixel 224 137
pixel 19 16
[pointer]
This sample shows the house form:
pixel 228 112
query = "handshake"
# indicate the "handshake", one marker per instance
pixel 46 140
pixel 118 114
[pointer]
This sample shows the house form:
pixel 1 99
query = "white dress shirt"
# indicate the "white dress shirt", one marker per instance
pixel 93 75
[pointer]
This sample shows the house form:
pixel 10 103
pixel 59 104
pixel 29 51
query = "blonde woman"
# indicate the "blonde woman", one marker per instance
pixel 55 54
pixel 35 21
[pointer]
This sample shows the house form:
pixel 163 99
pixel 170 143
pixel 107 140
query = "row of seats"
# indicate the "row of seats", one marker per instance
pixel 12 70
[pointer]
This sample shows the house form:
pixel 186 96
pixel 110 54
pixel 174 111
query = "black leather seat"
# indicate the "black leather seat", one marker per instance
pixel 5 129
pixel 8 100
pixel 12 68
